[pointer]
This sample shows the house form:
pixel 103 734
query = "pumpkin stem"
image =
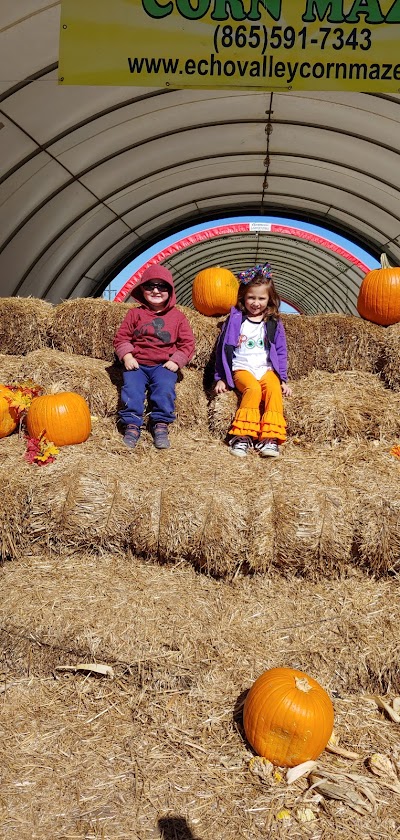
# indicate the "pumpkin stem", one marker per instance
pixel 385 262
pixel 302 684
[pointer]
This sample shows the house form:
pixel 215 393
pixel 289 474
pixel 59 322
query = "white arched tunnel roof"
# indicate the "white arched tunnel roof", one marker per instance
pixel 91 176
pixel 298 258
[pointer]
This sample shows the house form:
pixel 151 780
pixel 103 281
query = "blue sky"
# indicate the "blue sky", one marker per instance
pixel 124 275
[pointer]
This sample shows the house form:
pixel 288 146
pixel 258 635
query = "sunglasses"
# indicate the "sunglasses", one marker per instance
pixel 162 287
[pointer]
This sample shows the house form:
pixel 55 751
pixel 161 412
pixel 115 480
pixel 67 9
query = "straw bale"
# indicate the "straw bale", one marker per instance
pixel 221 411
pixel 335 406
pixel 86 326
pixel 15 496
pixel 312 517
pixel 25 324
pixel 10 368
pixel 347 342
pixel 56 371
pixel 87 502
pixel 391 364
pixel 373 486
pixel 310 513
pixel 100 383
pixel 206 331
pixel 301 344
pixel 149 751
pixel 191 401
pixel 332 342
pixel 172 506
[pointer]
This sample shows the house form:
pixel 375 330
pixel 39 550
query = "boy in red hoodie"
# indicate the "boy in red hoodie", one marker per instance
pixel 153 342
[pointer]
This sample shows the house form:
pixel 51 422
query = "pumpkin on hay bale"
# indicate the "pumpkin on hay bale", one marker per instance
pixel 287 717
pixel 25 325
pixel 64 418
pixel 379 294
pixel 214 291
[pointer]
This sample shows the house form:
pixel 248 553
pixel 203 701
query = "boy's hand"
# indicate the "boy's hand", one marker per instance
pixel 286 389
pixel 130 362
pixel 170 365
pixel 220 387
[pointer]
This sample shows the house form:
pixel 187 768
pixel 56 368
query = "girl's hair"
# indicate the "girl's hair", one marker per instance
pixel 274 300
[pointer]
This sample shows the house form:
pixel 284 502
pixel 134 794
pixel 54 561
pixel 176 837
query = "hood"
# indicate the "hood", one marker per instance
pixel 154 272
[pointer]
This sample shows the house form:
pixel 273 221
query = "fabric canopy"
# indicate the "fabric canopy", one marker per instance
pixel 91 176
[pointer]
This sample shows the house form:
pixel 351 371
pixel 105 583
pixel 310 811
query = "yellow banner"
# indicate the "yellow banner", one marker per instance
pixel 250 44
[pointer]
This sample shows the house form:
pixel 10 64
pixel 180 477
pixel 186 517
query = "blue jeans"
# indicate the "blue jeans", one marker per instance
pixel 160 384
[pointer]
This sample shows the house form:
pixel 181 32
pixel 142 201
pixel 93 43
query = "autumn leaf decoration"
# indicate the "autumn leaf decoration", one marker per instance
pixel 395 450
pixel 23 394
pixel 40 451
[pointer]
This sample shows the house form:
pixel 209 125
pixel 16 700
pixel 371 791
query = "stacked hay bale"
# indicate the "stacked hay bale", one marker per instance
pixel 332 342
pixel 391 357
pixel 25 324
pixel 311 513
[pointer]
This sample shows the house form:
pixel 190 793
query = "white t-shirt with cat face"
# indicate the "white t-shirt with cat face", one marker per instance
pixel 250 353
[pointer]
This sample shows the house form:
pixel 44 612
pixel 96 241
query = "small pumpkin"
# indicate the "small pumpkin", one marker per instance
pixel 287 717
pixel 64 418
pixel 8 417
pixel 214 291
pixel 379 295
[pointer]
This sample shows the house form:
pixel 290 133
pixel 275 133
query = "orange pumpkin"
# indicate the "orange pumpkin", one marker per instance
pixel 8 417
pixel 64 418
pixel 6 392
pixel 379 295
pixel 287 717
pixel 214 291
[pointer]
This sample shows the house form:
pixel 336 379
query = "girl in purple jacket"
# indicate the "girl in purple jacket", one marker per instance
pixel 252 357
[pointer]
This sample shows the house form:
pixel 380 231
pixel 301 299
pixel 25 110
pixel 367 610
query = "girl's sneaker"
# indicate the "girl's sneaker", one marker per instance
pixel 268 448
pixel 240 445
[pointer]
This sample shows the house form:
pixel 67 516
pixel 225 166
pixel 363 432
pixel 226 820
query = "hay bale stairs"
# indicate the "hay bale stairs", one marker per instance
pixel 331 502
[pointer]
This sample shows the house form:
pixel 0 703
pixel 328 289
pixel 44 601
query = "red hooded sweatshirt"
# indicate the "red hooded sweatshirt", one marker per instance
pixel 155 337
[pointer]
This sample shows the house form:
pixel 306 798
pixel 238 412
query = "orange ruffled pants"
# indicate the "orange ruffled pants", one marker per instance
pixel 248 420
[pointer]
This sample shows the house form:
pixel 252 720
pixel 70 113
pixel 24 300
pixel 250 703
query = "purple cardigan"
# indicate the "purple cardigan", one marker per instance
pixel 229 338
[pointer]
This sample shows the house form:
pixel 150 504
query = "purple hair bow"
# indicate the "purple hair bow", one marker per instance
pixel 249 274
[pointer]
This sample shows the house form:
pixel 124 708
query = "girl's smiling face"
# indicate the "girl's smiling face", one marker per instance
pixel 256 300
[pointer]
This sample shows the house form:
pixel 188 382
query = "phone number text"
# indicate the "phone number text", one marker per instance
pixel 261 38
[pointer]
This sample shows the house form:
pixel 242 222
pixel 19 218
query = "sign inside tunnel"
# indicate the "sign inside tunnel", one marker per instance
pixel 272 45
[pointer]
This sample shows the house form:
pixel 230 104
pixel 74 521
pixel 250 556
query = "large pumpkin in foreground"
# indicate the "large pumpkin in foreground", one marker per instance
pixel 287 717
pixel 379 295
pixel 64 418
pixel 214 291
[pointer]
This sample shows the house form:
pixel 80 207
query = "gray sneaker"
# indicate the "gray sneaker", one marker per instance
pixel 240 445
pixel 132 435
pixel 160 435
pixel 268 448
